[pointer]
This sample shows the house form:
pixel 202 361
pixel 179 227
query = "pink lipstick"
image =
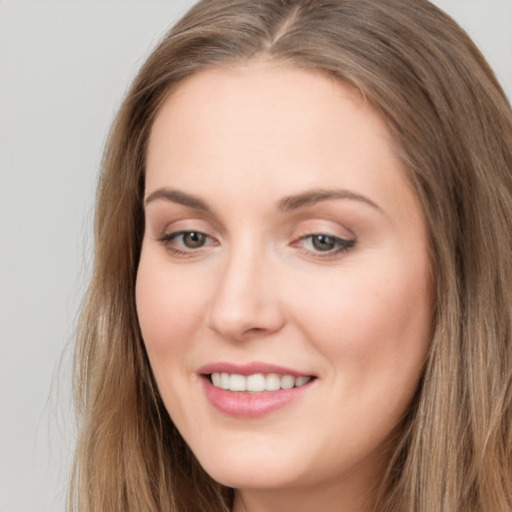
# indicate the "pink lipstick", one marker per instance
pixel 254 389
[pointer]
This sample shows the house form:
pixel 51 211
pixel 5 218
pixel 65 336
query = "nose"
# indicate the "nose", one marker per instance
pixel 246 302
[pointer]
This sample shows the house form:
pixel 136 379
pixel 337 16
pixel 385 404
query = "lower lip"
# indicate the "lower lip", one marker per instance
pixel 245 404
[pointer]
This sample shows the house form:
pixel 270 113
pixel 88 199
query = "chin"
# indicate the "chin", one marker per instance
pixel 252 468
pixel 251 477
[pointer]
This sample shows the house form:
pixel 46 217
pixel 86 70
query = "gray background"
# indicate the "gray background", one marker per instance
pixel 64 66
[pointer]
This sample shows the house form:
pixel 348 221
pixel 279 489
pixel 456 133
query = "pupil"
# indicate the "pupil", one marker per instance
pixel 194 240
pixel 323 242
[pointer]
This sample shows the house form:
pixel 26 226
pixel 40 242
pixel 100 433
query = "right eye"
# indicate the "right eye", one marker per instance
pixel 192 239
pixel 186 242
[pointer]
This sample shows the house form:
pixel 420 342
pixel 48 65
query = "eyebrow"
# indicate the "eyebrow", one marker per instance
pixel 289 203
pixel 312 197
pixel 176 196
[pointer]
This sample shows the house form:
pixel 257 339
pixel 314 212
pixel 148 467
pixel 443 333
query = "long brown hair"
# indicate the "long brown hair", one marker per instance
pixel 452 126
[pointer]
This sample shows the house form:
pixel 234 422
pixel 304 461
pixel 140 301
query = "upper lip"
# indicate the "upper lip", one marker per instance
pixel 249 369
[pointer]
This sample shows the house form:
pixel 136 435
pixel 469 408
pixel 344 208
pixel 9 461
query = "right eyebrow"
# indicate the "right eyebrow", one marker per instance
pixel 176 196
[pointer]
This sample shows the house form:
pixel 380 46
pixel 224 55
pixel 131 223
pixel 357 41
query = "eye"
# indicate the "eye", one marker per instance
pixel 193 239
pixel 186 242
pixel 324 243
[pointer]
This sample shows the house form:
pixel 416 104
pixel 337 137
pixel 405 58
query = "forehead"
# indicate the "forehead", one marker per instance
pixel 266 94
pixel 245 126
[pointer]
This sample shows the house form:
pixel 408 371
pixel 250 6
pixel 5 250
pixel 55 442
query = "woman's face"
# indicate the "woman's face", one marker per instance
pixel 284 254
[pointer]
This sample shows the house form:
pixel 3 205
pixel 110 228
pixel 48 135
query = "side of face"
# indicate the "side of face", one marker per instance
pixel 282 239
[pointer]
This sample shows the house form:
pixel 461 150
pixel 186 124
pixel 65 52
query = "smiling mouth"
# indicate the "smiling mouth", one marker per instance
pixel 256 383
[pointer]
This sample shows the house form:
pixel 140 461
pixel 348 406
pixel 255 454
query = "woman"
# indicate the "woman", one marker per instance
pixel 301 293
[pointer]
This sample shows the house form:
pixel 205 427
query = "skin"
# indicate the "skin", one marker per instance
pixel 240 140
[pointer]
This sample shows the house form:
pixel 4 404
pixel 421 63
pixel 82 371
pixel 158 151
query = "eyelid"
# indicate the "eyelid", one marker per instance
pixel 167 225
pixel 163 217
pixel 343 238
pixel 323 226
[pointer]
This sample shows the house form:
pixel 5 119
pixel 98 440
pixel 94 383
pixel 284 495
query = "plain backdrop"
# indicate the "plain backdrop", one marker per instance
pixel 64 66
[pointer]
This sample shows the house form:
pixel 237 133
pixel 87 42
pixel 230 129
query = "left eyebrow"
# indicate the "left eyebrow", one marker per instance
pixel 312 197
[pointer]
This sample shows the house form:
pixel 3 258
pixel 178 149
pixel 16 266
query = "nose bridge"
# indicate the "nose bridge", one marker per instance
pixel 244 300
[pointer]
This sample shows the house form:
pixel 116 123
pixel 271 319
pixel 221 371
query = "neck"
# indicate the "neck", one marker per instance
pixel 326 498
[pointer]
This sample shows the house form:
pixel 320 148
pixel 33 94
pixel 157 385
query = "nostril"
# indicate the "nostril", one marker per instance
pixel 244 305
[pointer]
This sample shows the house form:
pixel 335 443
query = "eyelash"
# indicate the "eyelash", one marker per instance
pixel 167 239
pixel 341 245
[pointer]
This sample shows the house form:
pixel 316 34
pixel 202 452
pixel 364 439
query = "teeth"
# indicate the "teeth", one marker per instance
pixel 287 382
pixel 224 381
pixel 257 382
pixel 216 378
pixel 237 382
pixel 300 381
pixel 272 382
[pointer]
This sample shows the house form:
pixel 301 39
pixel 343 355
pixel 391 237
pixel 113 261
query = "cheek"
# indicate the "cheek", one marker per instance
pixel 374 324
pixel 169 307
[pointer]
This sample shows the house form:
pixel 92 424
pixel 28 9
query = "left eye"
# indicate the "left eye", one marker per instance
pixel 326 243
